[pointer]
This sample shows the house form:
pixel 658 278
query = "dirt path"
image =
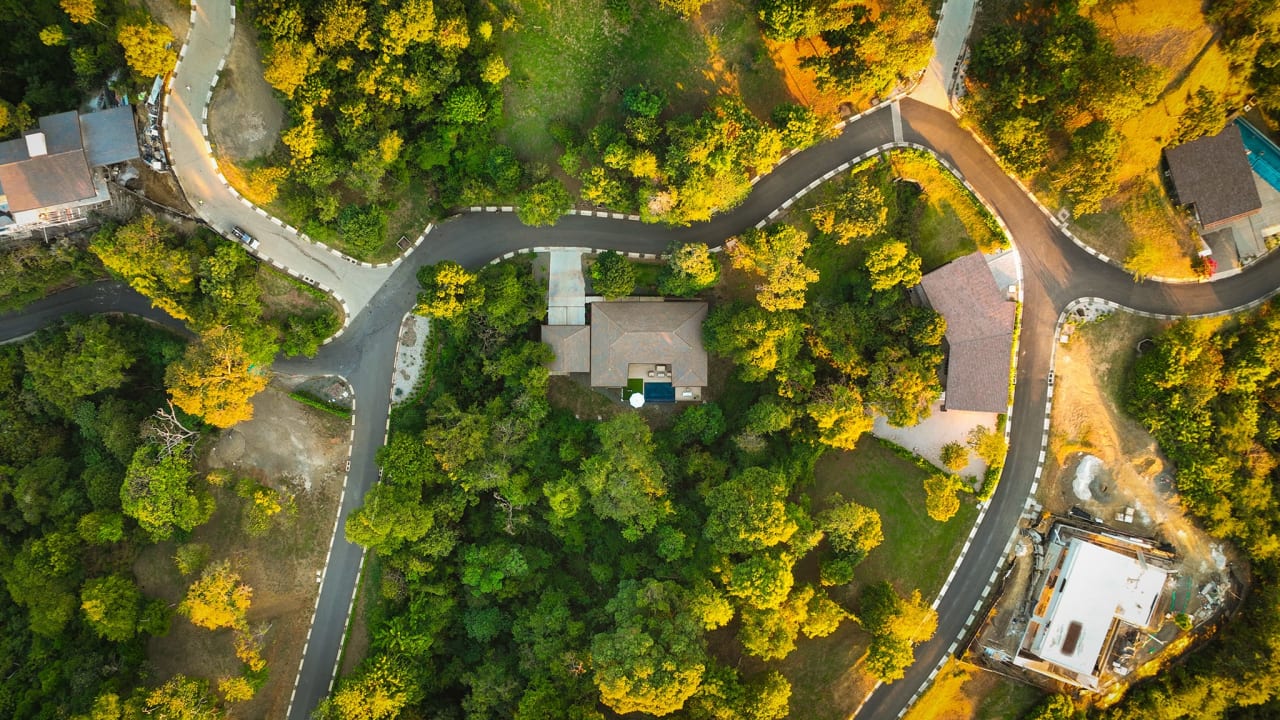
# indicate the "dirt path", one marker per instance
pixel 245 118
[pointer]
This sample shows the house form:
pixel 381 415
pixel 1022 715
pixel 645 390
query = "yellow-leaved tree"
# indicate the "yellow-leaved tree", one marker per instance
pixel 288 63
pixel 218 599
pixel 776 254
pixel 141 252
pixel 148 47
pixel 215 379
pixel 380 692
pixel 841 416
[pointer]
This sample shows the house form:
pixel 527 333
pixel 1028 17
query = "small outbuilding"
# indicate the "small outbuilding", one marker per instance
pixel 979 337
pixel 1212 176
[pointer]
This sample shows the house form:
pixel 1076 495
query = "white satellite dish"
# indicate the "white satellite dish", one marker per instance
pixel 637 400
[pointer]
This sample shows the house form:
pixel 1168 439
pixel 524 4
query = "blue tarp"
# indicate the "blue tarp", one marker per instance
pixel 1264 156
pixel 659 393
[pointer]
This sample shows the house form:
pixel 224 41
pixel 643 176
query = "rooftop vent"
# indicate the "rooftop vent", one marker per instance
pixel 35 145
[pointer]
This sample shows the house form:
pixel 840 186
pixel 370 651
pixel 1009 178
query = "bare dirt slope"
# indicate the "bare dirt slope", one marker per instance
pixel 245 117
pixel 291 448
pixel 1089 420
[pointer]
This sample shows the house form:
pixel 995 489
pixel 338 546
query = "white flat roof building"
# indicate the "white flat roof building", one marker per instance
pixel 1088 589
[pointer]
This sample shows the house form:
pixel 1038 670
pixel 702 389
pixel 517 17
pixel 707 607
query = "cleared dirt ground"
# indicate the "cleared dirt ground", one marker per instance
pixel 1088 419
pixel 291 448
pixel 245 118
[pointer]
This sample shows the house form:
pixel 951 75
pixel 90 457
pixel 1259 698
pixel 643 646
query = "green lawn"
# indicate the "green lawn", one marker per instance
pixel 822 673
pixel 1007 700
pixel 879 478
pixel 570 62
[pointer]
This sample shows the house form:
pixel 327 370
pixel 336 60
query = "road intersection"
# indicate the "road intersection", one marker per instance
pixel 1056 272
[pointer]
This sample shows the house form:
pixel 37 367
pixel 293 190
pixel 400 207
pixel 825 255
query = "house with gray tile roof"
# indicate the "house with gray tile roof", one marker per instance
pixel 979 336
pixel 52 174
pixel 1212 175
pixel 653 347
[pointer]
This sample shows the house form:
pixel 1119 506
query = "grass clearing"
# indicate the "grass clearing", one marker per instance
pixel 1142 221
pixel 825 674
pixel 570 63
pixel 877 477
pixel 954 223
pixel 963 691
pixel 283 296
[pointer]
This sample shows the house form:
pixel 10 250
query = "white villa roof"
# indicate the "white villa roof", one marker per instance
pixel 1099 586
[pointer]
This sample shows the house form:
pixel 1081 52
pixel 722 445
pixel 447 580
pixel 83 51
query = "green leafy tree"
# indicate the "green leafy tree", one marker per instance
pixel 749 512
pixel 704 423
pixel 763 580
pixel 465 105
pixel 653 659
pixel 690 268
pixel 758 342
pixel 624 480
pixel 801 127
pixel 612 275
pixel 1089 174
pixel 895 624
pixel 852 531
pixel 892 264
pixel 777 255
pixel 112 605
pixel 141 252
pixel 157 493
pixel 640 101
pixel 544 203
pixel 903 387
pixel 84 358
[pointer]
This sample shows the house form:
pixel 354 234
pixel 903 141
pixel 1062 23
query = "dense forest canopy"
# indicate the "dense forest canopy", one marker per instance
pixel 533 564
pixel 73 399
pixel 1049 77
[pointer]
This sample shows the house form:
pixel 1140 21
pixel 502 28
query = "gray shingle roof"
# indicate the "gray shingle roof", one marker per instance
pixel 109 136
pixel 572 346
pixel 1213 174
pixel 979 333
pixel 668 333
pixel 62 132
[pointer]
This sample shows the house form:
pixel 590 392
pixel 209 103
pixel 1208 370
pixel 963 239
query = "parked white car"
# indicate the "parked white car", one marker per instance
pixel 244 237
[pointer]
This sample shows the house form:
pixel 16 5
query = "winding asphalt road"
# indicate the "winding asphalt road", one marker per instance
pixel 1056 271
